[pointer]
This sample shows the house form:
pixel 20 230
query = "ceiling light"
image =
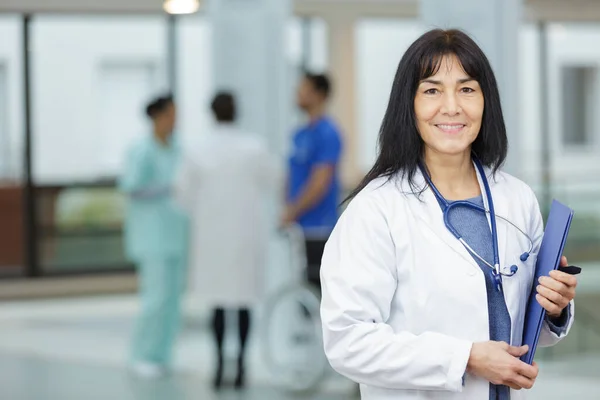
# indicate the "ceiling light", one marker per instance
pixel 181 6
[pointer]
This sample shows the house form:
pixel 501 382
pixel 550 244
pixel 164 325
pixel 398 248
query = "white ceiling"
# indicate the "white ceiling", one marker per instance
pixel 559 10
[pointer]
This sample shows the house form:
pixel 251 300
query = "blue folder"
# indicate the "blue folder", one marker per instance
pixel 551 250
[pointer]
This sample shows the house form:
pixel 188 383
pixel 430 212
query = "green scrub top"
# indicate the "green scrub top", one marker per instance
pixel 154 226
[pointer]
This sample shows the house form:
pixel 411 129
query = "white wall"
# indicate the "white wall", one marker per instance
pixel 69 54
pixel 380 45
pixel 194 88
pixel 530 107
pixel 122 89
pixel 318 56
pixel 5 152
pixel 318 59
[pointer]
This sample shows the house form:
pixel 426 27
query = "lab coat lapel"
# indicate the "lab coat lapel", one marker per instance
pixel 500 208
pixel 430 212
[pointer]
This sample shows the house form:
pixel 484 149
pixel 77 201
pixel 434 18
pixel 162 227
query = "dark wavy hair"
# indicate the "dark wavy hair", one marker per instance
pixel 400 147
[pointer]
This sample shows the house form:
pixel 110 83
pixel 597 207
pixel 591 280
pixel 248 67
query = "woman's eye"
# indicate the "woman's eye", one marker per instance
pixel 431 91
pixel 467 90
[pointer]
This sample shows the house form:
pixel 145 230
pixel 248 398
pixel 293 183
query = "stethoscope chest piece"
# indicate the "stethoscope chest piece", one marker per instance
pixel 497 279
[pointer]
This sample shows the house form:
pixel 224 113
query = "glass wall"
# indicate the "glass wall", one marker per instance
pixel 11 146
pixel 91 77
pixel 572 106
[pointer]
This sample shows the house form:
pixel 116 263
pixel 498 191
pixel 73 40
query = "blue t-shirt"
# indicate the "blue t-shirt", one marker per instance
pixel 316 144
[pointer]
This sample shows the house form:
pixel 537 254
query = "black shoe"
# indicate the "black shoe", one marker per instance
pixel 218 379
pixel 240 380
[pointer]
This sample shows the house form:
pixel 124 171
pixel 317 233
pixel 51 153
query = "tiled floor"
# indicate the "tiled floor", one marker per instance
pixel 34 378
pixel 75 349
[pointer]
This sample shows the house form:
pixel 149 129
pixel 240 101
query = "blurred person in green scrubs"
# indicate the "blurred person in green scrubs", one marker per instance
pixel 156 233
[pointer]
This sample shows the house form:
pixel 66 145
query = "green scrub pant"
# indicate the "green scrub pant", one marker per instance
pixel 161 283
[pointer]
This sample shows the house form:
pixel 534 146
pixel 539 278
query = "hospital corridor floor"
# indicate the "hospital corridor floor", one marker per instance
pixel 73 349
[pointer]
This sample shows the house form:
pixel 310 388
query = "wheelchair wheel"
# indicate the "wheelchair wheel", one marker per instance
pixel 292 341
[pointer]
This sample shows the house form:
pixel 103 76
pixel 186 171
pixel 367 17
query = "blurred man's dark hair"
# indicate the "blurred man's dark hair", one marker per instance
pixel 223 107
pixel 320 82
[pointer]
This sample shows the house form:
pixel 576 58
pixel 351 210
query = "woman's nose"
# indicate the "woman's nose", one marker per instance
pixel 450 104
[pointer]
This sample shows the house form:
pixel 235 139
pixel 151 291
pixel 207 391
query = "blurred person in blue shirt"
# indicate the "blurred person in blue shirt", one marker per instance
pixel 156 234
pixel 313 185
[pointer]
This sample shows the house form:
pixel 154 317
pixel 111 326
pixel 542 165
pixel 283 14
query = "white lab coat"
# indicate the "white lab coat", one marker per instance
pixel 224 184
pixel 403 300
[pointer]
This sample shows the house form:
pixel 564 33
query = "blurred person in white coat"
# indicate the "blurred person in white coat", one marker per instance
pixel 224 183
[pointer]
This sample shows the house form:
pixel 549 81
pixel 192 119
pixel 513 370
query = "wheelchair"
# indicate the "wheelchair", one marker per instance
pixel 292 343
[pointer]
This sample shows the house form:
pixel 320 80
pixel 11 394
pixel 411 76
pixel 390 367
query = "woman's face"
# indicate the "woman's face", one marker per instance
pixel 449 109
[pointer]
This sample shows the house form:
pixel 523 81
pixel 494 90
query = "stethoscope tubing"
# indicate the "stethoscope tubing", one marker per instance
pixel 462 203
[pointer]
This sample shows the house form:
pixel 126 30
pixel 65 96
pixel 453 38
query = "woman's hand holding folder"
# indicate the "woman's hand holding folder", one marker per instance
pixel 555 292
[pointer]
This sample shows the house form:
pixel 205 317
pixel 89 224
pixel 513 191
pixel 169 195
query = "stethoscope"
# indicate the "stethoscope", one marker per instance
pixel 496 272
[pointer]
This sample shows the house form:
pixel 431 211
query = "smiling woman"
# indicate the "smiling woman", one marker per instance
pixel 449 109
pixel 421 291
pixel 450 67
